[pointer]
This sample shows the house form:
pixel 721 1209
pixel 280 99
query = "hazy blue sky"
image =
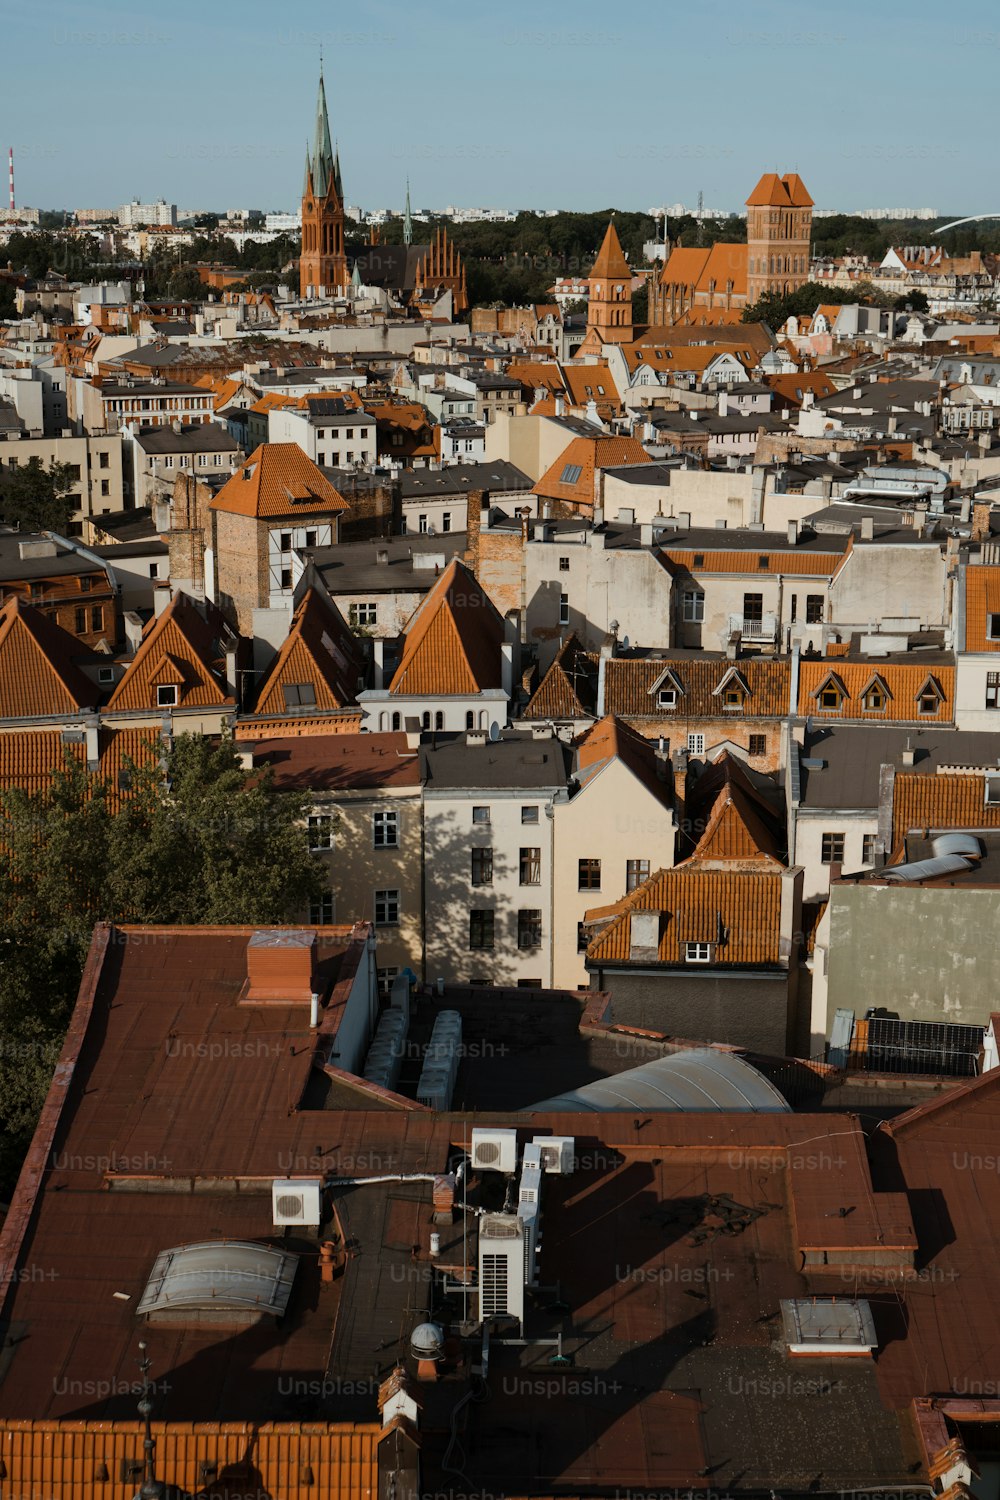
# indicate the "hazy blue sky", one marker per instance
pixel 513 104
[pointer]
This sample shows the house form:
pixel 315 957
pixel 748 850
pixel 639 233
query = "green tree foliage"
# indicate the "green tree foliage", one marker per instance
pixel 195 840
pixel 774 307
pixel 186 285
pixel 8 299
pixel 34 498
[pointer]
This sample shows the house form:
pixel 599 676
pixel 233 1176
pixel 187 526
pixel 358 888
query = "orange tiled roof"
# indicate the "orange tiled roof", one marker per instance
pixel 611 264
pixel 683 266
pixel 982 599
pixel 321 651
pixel 722 263
pixel 791 387
pixel 272 401
pixel 734 834
pixel 293 1460
pixel 38 674
pixel 278 479
pixel 711 317
pixel 900 682
pixel 584 384
pixel 612 739
pixel 29 757
pixel 943 801
pixel 773 191
pixel 630 687
pixel 588 454
pixel 741 911
pixel 807 564
pixel 569 688
pixel 181 647
pixel 453 639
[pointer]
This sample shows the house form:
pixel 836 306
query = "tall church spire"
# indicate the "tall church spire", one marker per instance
pixel 407 220
pixel 322 161
pixel 322 262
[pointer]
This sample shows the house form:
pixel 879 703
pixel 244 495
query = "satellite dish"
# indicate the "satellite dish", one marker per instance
pixel 494 732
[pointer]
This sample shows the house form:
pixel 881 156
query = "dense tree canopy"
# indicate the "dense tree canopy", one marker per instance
pixel 195 840
pixel 34 498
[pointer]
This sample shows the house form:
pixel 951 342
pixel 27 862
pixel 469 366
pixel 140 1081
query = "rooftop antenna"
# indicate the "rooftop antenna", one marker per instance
pixel 152 1488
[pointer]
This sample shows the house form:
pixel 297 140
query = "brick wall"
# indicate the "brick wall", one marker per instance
pixel 501 561
pixel 241 566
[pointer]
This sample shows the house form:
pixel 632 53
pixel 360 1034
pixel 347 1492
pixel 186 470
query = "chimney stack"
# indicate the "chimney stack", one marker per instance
pixel 474 502
pixel 980 520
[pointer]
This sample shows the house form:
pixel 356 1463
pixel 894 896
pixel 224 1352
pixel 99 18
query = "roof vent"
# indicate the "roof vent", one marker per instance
pixel 281 967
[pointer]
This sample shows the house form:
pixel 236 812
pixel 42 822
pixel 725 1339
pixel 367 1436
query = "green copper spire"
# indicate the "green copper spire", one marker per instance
pixel 322 159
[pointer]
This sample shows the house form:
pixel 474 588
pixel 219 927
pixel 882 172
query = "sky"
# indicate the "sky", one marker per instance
pixel 502 103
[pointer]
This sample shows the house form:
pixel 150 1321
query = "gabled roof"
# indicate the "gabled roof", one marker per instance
pixel 738 826
pixel 38 673
pixel 738 910
pixel 279 480
pixel 612 739
pixel 571 477
pixel 181 646
pixel 773 191
pixel 320 652
pixel 611 264
pixel 628 684
pixel 569 688
pixel 452 640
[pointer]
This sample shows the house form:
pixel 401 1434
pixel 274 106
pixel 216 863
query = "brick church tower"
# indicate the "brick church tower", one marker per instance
pixel 609 308
pixel 322 262
pixel 779 231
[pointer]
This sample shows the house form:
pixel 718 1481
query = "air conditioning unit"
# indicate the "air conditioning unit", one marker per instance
pixel 494 1150
pixel 296 1201
pixel 558 1153
pixel 530 1187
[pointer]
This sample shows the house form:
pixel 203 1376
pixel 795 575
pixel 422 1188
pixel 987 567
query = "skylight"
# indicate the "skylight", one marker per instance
pixel 571 474
pixel 227 1281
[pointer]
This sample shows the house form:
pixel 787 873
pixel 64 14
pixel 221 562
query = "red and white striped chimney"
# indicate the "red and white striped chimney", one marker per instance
pixel 11 160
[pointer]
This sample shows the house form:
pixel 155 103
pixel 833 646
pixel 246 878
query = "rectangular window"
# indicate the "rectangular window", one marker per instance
pixel 482 866
pixel 868 848
pixel 529 814
pixel 105 486
pixel 696 744
pixel 666 698
pixel 385 830
pixel 529 928
pixel 993 627
pixel 833 848
pixel 364 614
pixel 757 744
pixel 582 937
pixel 753 608
pixel 793 612
pixel 481 928
pixel 166 695
pixel 285 541
pixel 105 462
pixel 589 875
pixel 286 578
pixel 154 570
pixel 97 617
pixel 105 674
pixel 563 609
pixel 320 832
pixel 81 621
pixel 480 815
pixel 636 871
pixel 446 520
pixel 530 867
pixel 698 953
pixel 386 908
pixel 993 690
pixel 321 911
pixel 422 523
pixel 814 609
pixel 564 565
pixel 385 978
pixel 693 606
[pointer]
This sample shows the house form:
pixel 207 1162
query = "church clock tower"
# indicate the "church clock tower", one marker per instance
pixel 322 263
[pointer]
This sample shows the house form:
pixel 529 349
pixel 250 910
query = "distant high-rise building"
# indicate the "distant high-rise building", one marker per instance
pixel 135 215
pixel 322 262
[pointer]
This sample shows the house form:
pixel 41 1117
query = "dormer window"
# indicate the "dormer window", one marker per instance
pixel 875 697
pixel 698 953
pixel 666 698
pixel 929 698
pixel 166 695
pixel 830 694
pixel 993 627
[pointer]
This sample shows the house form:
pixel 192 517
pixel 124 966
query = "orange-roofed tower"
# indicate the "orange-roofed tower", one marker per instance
pixel 609 310
pixel 779 230
pixel 322 262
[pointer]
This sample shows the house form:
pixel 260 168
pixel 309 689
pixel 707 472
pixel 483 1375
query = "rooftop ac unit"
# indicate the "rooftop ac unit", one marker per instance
pixel 494 1150
pixel 296 1201
pixel 558 1153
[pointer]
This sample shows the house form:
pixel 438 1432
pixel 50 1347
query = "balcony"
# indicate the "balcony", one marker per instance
pixel 762 632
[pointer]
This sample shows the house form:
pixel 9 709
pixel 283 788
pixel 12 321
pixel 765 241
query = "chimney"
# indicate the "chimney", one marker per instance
pixel 980 520
pixel 793 533
pixel 473 527
pixel 281 967
pixel 378 664
pixel 382 557
pixel 867 528
pixel 644 936
pixel 909 756
pixel 161 598
pixel 560 405
pixel 680 765
pixel 133 630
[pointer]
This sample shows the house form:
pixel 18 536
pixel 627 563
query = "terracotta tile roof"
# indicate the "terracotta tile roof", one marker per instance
pixel 278 479
pixel 722 263
pixel 339 762
pixel 569 688
pixel 668 356
pixel 584 382
pixel 740 911
pixel 38 673
pixel 792 387
pixel 412 419
pixel 982 599
pixel 320 651
pixel 949 800
pixel 630 687
pixel 739 827
pixel 900 683
pixel 453 639
pixel 180 647
pixel 683 267
pixel 612 739
pixel 29 757
pixel 773 191
pixel 587 455
pixel 65 1460
pixel 806 564
pixel 611 264
pixel 271 401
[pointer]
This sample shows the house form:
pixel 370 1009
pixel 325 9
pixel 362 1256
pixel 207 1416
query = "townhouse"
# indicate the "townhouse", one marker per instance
pixel 158 454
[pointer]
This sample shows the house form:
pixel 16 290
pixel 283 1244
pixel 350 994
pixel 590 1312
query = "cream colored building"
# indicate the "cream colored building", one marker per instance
pixel 96 462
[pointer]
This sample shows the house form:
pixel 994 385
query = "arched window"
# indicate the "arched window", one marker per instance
pixel 439 720
pixel 470 720
pixel 382 720
pixel 482 718
pixel 426 721
pixel 397 721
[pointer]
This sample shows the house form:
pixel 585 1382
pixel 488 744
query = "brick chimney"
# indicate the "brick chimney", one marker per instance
pixel 980 520
pixel 474 501
pixel 281 967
